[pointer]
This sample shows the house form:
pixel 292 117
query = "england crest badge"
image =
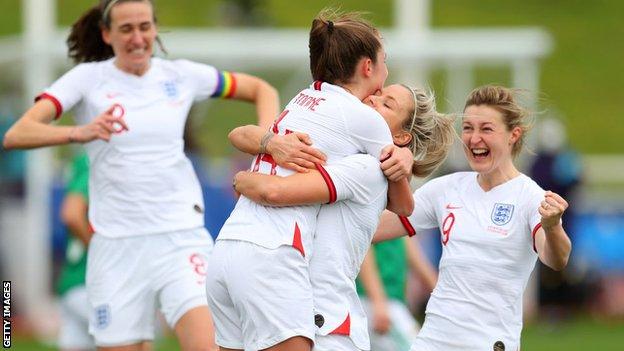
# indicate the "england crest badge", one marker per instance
pixel 102 316
pixel 171 89
pixel 501 214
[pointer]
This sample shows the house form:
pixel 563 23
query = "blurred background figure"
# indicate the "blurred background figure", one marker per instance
pixel 382 285
pixel 12 171
pixel 74 327
pixel 556 167
pixel 218 195
pixel 243 13
pixel 11 165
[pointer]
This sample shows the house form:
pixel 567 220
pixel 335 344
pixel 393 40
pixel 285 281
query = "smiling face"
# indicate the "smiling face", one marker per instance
pixel 131 35
pixel 488 143
pixel 396 105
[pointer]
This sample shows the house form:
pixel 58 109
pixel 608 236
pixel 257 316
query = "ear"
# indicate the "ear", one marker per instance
pixel 516 133
pixel 367 67
pixel 105 34
pixel 402 138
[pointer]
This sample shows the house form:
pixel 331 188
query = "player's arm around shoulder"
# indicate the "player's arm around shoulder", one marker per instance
pixel 292 151
pixel 397 164
pixel 551 241
pixel 400 200
pixel 390 227
pixel 346 179
pixel 247 138
pixel 272 190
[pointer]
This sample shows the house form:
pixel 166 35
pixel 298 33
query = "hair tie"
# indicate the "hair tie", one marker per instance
pixel 415 105
pixel 330 26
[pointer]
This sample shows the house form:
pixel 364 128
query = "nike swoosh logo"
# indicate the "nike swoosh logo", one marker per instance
pixel 112 95
pixel 449 207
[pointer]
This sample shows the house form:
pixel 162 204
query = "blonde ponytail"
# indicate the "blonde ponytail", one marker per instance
pixel 432 133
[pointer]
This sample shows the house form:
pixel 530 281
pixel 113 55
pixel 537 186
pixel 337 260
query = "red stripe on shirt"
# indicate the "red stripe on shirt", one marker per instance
pixel 297 243
pixel 407 225
pixel 329 182
pixel 344 328
pixel 537 227
pixel 57 104
pixel 317 85
pixel 275 127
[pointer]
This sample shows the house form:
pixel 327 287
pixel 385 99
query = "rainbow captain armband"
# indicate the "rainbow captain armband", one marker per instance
pixel 226 85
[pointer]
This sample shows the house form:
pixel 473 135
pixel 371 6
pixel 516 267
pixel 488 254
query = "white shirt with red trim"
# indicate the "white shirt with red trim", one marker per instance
pixel 339 125
pixel 343 236
pixel 140 182
pixel 487 258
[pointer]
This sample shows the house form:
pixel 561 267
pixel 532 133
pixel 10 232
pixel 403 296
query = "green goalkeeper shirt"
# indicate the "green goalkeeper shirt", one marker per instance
pixel 75 266
pixel 391 259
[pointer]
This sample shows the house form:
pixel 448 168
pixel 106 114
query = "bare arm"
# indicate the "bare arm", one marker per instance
pixel 389 227
pixel 262 94
pixel 420 265
pixel 552 242
pixel 272 190
pixel 400 199
pixel 292 151
pixel 396 165
pixel 247 138
pixel 34 130
pixel 371 281
pixel 74 216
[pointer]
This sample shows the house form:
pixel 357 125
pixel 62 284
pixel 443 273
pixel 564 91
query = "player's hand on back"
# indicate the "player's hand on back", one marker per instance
pixel 293 151
pixel 396 162
pixel 102 127
pixel 551 209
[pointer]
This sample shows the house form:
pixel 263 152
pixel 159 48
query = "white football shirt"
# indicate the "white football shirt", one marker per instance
pixel 339 125
pixel 342 239
pixel 487 256
pixel 140 182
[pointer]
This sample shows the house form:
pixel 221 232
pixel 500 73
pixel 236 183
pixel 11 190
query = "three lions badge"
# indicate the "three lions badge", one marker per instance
pixel 501 214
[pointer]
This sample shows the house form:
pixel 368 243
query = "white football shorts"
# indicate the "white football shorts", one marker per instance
pixel 129 278
pixel 442 333
pixel 258 297
pixel 334 342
